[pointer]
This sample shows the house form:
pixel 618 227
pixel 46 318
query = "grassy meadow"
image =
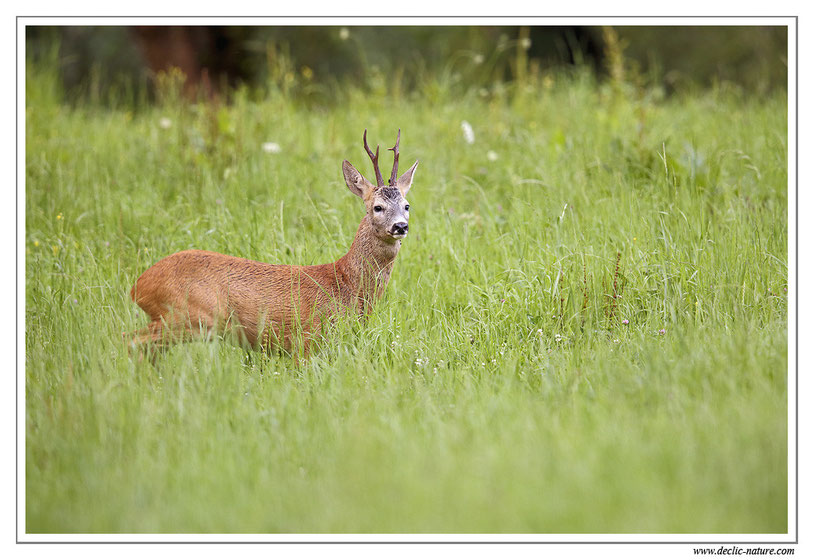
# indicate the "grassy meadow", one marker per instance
pixel 585 331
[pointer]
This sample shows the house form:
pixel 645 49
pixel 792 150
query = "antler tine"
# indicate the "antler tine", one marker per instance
pixel 395 150
pixel 375 160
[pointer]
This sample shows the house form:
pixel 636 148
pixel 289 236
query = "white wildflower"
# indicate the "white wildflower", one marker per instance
pixel 491 155
pixel 525 43
pixel 344 33
pixel 271 147
pixel 469 134
pixel 164 123
pixel 478 59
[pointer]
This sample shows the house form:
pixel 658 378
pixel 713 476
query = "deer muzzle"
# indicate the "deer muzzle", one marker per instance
pixel 399 229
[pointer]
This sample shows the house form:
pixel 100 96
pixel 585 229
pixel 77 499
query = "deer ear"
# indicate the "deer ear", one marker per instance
pixel 405 181
pixel 357 184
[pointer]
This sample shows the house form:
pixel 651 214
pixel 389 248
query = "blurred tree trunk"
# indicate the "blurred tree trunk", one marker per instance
pixel 185 48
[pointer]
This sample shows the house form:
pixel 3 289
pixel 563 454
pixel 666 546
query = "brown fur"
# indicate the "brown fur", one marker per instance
pixel 195 292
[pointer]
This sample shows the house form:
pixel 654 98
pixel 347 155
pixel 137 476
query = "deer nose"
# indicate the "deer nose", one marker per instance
pixel 400 228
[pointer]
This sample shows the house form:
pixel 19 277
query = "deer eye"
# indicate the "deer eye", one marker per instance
pixel 407 207
pixel 377 208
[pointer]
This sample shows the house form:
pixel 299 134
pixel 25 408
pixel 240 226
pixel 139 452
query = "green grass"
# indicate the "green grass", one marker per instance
pixel 495 388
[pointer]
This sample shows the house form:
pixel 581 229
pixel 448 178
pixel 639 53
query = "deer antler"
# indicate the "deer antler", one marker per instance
pixel 395 150
pixel 375 160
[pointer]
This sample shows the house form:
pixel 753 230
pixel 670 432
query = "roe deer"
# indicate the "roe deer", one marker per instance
pixel 192 292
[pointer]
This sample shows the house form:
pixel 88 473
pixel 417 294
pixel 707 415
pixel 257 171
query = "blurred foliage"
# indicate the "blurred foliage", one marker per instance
pixel 755 57
pixel 122 64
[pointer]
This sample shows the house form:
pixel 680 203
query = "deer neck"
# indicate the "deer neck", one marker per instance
pixel 368 263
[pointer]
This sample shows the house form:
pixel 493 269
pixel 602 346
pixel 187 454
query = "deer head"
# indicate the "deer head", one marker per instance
pixel 387 209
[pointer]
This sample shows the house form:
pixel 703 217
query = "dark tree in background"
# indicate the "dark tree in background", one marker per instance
pixel 217 58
